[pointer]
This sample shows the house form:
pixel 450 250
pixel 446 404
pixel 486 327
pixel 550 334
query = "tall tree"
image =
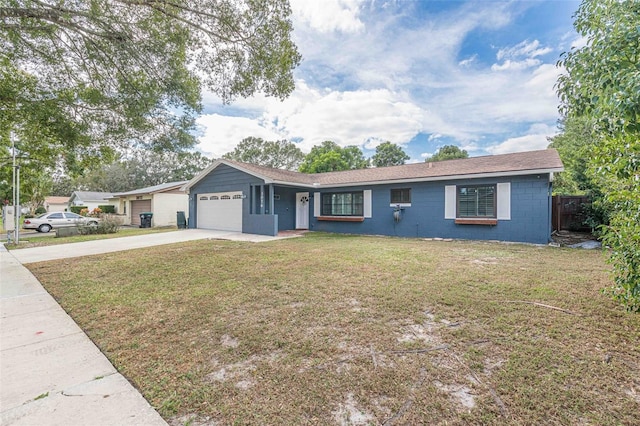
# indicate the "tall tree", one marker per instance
pixel 575 144
pixel 330 157
pixel 277 154
pixel 448 152
pixel 601 83
pixel 141 169
pixel 90 78
pixel 389 154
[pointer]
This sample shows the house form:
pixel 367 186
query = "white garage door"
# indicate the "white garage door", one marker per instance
pixel 221 211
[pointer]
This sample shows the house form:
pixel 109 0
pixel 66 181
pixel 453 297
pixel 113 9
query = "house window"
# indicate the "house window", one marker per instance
pixel 401 196
pixel 213 197
pixel 343 204
pixel 476 201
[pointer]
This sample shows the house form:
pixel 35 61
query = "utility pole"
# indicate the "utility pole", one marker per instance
pixel 16 191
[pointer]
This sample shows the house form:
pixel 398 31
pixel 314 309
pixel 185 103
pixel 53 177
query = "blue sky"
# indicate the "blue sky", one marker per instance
pixel 422 74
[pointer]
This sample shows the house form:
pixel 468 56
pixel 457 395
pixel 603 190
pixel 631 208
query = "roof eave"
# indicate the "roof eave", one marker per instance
pixel 440 178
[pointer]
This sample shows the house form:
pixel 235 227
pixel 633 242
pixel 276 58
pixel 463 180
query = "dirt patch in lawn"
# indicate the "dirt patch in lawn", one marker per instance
pixel 335 329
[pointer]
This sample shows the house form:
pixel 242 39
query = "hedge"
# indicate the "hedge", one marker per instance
pixel 77 209
pixel 108 208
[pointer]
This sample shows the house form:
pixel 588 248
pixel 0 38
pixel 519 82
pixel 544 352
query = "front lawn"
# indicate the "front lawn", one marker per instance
pixel 335 329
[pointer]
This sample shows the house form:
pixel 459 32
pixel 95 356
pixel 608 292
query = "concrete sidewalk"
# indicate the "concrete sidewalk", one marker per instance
pixel 51 373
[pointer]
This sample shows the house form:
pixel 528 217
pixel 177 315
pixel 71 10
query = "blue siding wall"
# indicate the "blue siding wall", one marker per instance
pixel 530 209
pixel 530 213
pixel 285 207
pixel 223 179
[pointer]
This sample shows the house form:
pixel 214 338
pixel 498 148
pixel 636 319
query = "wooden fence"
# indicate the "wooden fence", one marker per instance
pixel 567 212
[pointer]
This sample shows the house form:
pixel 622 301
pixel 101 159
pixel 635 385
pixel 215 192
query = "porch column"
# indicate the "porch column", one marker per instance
pixel 271 211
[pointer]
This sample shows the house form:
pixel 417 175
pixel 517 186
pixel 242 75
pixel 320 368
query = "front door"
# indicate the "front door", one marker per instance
pixel 302 210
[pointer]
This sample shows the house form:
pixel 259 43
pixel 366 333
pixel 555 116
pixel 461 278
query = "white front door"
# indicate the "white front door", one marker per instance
pixel 302 210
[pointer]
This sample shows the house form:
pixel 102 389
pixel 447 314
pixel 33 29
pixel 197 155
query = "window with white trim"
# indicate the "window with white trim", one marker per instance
pixel 476 201
pixel 401 196
pixel 343 204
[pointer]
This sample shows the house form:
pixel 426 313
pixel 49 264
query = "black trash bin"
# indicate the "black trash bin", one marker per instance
pixel 181 220
pixel 145 219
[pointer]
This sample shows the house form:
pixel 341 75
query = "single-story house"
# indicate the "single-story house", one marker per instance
pixel 500 197
pixel 90 199
pixel 56 204
pixel 164 201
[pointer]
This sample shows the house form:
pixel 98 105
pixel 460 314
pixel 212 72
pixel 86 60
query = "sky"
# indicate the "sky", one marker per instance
pixel 421 74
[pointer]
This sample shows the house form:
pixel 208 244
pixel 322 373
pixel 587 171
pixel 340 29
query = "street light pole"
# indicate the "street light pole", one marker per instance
pixel 16 191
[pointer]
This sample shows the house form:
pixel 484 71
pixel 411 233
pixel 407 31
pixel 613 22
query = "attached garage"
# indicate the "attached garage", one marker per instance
pixel 137 207
pixel 221 211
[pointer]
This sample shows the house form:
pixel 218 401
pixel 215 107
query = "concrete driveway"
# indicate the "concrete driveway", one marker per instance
pixel 40 254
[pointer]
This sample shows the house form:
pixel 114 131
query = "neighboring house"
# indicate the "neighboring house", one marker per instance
pixel 90 199
pixel 164 201
pixel 501 197
pixel 56 204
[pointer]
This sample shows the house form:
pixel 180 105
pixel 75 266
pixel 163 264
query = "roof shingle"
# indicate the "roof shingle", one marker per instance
pixel 547 159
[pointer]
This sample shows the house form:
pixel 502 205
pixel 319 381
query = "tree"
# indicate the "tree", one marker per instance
pixel 601 78
pixel 277 154
pixel 448 152
pixel 575 144
pixel 91 78
pixel 601 83
pixel 330 157
pixel 389 154
pixel 138 170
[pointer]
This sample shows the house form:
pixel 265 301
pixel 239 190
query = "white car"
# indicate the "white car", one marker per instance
pixel 48 221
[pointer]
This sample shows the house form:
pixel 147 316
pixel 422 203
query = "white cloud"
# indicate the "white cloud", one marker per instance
pixel 329 15
pixel 536 138
pixel 365 118
pixel 525 49
pixel 510 65
pixel 467 62
pixel 222 133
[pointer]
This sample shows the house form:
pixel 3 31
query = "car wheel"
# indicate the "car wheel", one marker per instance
pixel 44 228
pixel 93 223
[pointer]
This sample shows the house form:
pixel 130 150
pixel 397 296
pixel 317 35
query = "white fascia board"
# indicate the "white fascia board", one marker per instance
pixel 437 178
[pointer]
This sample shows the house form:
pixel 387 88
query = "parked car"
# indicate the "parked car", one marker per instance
pixel 48 221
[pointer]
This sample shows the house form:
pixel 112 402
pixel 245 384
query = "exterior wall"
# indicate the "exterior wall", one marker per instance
pixel 126 217
pixel 53 207
pixel 530 209
pixel 530 213
pixel 285 207
pixel 166 206
pixel 226 179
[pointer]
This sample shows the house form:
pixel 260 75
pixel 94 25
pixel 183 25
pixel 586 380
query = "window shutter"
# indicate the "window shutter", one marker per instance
pixel 316 204
pixel 503 211
pixel 367 202
pixel 450 202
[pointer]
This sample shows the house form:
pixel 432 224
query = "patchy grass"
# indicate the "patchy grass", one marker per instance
pixel 29 241
pixel 335 329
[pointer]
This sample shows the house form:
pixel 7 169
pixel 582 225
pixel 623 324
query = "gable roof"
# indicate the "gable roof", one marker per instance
pixel 91 196
pixel 153 189
pixel 520 163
